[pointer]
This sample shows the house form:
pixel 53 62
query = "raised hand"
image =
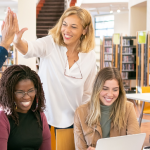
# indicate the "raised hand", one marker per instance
pixel 13 27
pixel 8 29
pixel 18 34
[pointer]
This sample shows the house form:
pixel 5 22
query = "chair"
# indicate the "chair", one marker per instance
pixel 65 139
pixel 53 139
pixel 146 105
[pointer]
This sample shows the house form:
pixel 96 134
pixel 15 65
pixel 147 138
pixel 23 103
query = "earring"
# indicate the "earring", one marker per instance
pixel 85 36
pixel 15 105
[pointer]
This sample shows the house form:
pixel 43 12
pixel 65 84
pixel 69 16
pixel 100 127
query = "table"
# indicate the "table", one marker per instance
pixel 145 97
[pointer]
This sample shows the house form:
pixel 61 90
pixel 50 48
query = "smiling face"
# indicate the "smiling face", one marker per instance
pixel 110 92
pixel 24 103
pixel 72 30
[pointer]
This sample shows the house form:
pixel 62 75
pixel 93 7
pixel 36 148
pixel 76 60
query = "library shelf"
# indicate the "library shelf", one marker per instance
pixel 128 61
pixel 142 64
pixel 106 55
pixel 11 59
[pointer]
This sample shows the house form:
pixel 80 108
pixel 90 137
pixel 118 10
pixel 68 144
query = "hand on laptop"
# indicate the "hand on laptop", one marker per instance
pixel 91 148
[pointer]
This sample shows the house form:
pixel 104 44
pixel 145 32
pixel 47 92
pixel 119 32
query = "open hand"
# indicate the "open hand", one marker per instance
pixel 8 29
pixel 18 34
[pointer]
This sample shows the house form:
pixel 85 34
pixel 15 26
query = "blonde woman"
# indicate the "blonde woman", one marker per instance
pixel 108 114
pixel 67 64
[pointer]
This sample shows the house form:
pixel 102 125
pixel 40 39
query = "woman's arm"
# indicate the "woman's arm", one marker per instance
pixel 20 44
pixel 46 144
pixel 39 48
pixel 80 143
pixel 4 131
pixel 132 123
pixel 9 28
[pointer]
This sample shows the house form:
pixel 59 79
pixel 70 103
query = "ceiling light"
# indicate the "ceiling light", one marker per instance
pixel 118 10
pixel 111 11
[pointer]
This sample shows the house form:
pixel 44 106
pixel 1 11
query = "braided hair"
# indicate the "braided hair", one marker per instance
pixel 10 78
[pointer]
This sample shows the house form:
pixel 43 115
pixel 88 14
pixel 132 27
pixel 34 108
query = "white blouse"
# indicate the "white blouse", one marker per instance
pixel 63 94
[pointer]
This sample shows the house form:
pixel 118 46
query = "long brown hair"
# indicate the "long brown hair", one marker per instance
pixel 10 78
pixel 118 111
pixel 87 42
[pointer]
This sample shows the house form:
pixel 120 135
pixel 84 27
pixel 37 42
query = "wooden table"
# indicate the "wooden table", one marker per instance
pixel 144 97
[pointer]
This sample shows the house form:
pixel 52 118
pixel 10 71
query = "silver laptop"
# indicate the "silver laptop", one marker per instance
pixel 127 142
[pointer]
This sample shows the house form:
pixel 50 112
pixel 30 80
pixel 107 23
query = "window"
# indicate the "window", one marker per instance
pixel 104 25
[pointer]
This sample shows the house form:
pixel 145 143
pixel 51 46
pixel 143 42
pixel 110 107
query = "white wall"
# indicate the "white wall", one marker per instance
pixel 148 16
pixel 135 2
pixel 138 17
pixel 27 18
pixel 121 23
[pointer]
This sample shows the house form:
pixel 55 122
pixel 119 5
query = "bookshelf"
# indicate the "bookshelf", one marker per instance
pixel 131 58
pixel 148 60
pixel 128 62
pixel 110 54
pixel 116 56
pixel 142 64
pixel 11 59
pixel 107 52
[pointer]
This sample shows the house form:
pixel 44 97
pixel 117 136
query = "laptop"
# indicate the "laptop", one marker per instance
pixel 127 142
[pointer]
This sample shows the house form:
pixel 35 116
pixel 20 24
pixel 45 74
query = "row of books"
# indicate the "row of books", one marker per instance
pixel 126 83
pixel 108 50
pixel 130 58
pixel 107 64
pixel 128 67
pixel 127 50
pixel 124 75
pixel 107 57
pixel 127 42
pixel 108 42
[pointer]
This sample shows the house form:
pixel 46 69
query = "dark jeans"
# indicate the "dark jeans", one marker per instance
pixel 70 127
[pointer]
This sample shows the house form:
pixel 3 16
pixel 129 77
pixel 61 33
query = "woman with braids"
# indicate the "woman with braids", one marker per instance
pixel 23 125
pixel 108 114
pixel 67 64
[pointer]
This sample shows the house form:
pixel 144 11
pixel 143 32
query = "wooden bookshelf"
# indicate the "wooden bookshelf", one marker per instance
pixel 11 59
pixel 142 64
pixel 131 58
pixel 107 52
pixel 116 56
pixel 148 60
pixel 128 62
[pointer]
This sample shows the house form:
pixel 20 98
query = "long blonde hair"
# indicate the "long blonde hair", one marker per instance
pixel 87 42
pixel 117 115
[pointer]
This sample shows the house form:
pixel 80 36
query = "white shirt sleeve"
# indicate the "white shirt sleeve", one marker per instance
pixel 88 85
pixel 40 48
